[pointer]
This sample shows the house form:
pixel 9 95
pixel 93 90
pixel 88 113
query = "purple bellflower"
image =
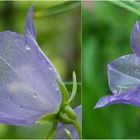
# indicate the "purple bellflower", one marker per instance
pixel 60 133
pixel 31 90
pixel 124 75
pixel 28 87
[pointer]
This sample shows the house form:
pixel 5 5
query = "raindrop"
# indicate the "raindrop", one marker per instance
pixel 34 96
pixel 137 71
pixel 115 91
pixel 21 107
pixel 50 68
pixel 27 47
pixel 57 89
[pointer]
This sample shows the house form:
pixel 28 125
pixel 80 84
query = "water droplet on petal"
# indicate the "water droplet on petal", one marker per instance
pixel 137 71
pixel 21 107
pixel 115 91
pixel 27 47
pixel 50 68
pixel 34 96
pixel 57 89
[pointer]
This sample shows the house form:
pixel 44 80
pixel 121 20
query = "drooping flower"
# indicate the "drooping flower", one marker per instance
pixel 28 87
pixel 124 75
pixel 60 133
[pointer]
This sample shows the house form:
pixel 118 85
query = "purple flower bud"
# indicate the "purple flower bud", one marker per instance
pixel 28 87
pixel 60 133
pixel 124 76
pixel 135 39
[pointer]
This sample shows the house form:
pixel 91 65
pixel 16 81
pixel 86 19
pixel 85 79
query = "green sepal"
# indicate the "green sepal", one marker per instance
pixel 64 118
pixel 64 92
pixel 68 134
pixel 78 128
pixel 74 88
pixel 46 118
pixel 71 113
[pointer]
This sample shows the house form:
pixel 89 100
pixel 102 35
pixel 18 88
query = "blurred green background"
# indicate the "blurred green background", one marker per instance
pixel 106 32
pixel 60 39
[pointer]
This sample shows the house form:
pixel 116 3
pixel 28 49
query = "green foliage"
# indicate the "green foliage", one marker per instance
pixel 106 36
pixel 131 5
pixel 58 9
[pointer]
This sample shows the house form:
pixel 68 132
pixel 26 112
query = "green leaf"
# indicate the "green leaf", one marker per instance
pixel 64 92
pixel 57 9
pixel 45 118
pixel 130 5
pixel 74 88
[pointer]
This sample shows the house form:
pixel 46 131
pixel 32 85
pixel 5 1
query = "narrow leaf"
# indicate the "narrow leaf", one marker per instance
pixel 132 5
pixel 64 92
pixel 57 9
pixel 45 118
pixel 74 88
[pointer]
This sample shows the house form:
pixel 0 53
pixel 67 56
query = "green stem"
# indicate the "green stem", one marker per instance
pixel 74 88
pixel 71 83
pixel 78 128
pixel 52 130
pixel 57 9
pixel 69 136
pixel 133 6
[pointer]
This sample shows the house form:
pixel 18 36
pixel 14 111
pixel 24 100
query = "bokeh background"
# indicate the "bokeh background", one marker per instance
pixel 106 32
pixel 59 37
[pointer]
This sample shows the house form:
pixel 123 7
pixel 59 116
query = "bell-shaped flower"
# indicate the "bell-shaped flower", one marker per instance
pixel 61 134
pixel 28 87
pixel 124 76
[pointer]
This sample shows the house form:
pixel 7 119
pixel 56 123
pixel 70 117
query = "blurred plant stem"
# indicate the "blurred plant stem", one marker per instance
pixel 131 5
pixel 57 9
pixel 70 83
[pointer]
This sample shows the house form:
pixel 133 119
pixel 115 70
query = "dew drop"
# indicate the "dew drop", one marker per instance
pixel 34 96
pixel 57 89
pixel 115 91
pixel 27 47
pixel 50 68
pixel 137 71
pixel 21 107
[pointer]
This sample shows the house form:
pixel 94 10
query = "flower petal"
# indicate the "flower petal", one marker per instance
pixel 124 74
pixel 29 26
pixel 135 39
pixel 28 87
pixel 60 133
pixel 131 97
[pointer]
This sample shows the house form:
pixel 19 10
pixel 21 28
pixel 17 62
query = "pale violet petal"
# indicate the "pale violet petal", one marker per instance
pixel 124 74
pixel 28 87
pixel 131 97
pixel 135 39
pixel 29 26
